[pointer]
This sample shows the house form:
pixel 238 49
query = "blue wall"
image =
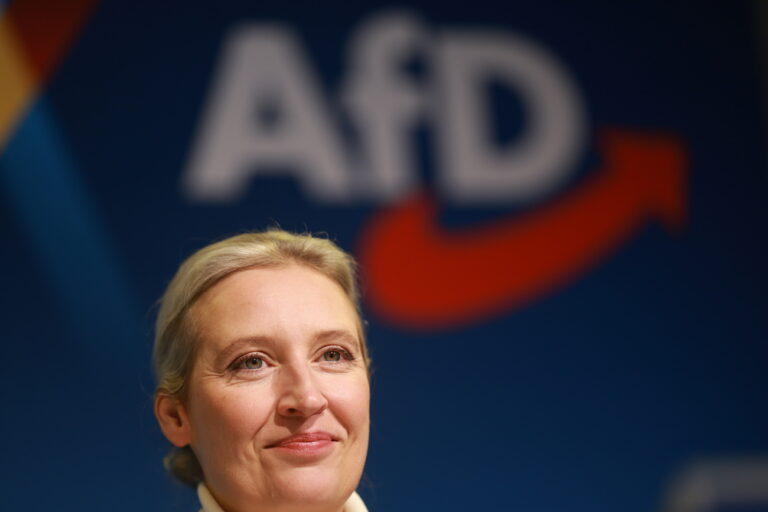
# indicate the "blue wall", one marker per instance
pixel 639 354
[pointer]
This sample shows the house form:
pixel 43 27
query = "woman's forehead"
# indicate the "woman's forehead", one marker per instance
pixel 270 302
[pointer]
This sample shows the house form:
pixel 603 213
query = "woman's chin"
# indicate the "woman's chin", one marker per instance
pixel 310 485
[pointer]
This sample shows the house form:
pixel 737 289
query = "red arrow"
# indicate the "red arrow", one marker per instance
pixel 420 275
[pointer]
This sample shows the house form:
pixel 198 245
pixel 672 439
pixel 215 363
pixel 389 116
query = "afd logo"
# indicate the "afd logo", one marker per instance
pixel 266 114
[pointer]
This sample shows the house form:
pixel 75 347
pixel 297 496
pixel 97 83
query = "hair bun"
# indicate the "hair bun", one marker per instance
pixel 182 464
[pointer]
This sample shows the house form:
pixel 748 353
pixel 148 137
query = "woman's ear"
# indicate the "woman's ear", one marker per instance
pixel 173 419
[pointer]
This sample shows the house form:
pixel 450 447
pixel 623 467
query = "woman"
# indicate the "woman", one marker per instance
pixel 262 373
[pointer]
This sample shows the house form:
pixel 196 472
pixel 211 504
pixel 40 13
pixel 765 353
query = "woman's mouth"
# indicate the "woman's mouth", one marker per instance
pixel 309 444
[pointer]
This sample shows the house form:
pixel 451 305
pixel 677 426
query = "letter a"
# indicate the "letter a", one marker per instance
pixel 263 72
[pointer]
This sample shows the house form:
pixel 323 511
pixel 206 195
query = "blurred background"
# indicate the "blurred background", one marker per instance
pixel 559 209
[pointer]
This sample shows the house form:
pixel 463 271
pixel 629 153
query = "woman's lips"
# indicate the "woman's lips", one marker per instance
pixel 310 444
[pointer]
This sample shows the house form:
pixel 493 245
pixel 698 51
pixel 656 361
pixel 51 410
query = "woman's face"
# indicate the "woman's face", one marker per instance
pixel 278 404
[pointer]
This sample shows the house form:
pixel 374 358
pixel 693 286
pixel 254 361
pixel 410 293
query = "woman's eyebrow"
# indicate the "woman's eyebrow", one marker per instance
pixel 338 335
pixel 234 346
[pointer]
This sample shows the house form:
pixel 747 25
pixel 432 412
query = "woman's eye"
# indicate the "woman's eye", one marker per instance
pixel 332 355
pixel 252 363
pixel 337 355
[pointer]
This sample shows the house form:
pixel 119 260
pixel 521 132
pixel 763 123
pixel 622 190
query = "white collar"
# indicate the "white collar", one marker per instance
pixel 353 504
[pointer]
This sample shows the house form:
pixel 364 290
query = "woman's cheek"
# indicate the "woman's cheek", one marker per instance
pixel 239 409
pixel 352 399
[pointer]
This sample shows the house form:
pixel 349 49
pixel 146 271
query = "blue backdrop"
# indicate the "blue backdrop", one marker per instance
pixel 588 337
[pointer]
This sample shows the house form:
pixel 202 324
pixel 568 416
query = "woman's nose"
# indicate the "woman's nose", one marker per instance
pixel 300 395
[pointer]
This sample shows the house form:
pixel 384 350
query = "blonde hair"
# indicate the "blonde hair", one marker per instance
pixel 175 331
